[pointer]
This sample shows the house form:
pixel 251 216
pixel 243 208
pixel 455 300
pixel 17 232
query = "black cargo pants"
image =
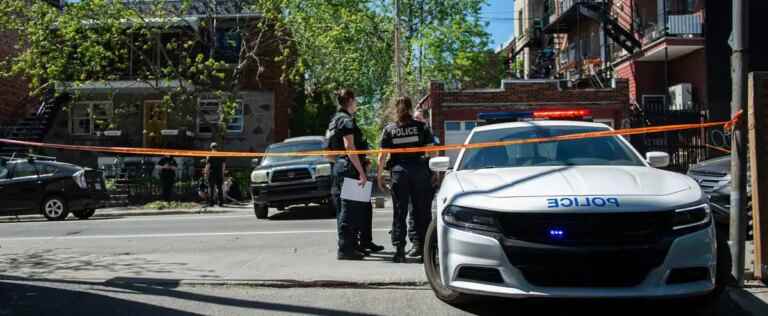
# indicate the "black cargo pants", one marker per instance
pixel 411 184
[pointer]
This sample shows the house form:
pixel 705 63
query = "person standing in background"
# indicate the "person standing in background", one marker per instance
pixel 168 167
pixel 215 168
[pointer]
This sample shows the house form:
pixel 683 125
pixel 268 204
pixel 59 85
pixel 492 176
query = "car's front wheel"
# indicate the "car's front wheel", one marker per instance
pixel 54 208
pixel 84 214
pixel 260 210
pixel 432 269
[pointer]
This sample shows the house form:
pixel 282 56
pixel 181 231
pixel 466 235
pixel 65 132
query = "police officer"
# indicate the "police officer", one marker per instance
pixel 167 176
pixel 411 178
pixel 417 251
pixel 344 134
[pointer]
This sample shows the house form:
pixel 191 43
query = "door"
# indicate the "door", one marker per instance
pixel 155 120
pixel 24 189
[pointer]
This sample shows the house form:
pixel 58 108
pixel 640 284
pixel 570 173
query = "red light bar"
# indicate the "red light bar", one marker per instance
pixel 559 114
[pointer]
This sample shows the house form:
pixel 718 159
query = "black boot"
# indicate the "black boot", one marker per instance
pixel 371 247
pixel 417 251
pixel 349 255
pixel 363 250
pixel 399 255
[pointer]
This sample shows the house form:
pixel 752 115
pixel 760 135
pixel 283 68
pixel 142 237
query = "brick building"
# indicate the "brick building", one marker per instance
pixel 134 107
pixel 453 113
pixel 14 96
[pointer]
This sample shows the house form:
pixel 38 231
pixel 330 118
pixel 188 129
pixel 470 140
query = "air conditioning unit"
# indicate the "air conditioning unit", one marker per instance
pixel 681 97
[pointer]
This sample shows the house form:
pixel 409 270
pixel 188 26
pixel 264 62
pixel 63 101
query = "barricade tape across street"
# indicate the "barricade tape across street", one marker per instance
pixel 231 154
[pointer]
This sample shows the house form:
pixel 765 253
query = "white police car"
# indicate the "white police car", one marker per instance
pixel 579 218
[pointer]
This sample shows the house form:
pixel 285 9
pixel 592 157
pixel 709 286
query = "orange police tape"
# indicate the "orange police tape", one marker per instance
pixel 230 154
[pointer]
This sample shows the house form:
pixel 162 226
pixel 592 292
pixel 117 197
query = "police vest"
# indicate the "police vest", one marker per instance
pixel 410 134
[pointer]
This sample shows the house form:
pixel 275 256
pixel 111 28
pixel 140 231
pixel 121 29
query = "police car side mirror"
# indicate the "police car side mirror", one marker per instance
pixel 440 164
pixel 255 162
pixel 657 159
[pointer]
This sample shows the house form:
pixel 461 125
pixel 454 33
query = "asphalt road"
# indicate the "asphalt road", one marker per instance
pixel 234 264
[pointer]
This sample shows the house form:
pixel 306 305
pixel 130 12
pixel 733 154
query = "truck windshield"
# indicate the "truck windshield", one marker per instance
pixel 603 151
pixel 291 147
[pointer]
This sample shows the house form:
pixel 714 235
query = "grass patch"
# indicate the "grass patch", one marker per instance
pixel 162 205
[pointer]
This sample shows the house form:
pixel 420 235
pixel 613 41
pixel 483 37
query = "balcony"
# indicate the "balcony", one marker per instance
pixel 566 18
pixel 682 35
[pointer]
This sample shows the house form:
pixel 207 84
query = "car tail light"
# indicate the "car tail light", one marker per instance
pixel 79 178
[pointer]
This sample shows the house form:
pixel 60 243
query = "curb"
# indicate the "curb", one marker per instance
pixel 748 302
pixel 125 213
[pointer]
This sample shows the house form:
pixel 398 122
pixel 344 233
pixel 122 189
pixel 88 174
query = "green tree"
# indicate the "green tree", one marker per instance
pixel 173 47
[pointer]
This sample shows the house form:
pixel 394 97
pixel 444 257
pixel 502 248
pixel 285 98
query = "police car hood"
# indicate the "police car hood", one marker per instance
pixel 573 181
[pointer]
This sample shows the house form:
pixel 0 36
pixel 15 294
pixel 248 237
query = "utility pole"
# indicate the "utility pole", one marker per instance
pixel 739 62
pixel 398 65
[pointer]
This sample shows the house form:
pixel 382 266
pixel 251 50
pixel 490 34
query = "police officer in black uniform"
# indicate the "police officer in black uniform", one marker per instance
pixel 411 178
pixel 344 134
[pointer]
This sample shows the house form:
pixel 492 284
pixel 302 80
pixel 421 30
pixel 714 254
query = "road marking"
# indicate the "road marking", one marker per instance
pixel 176 235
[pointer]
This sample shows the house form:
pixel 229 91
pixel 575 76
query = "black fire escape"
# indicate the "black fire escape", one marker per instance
pixel 574 12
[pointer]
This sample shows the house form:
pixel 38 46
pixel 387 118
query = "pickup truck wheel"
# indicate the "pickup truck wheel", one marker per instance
pixel 261 211
pixel 54 208
pixel 432 269
pixel 85 214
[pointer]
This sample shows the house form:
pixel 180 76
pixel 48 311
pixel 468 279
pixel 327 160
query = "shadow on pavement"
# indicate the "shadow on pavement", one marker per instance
pixel 302 213
pixel 41 219
pixel 86 303
pixel 28 299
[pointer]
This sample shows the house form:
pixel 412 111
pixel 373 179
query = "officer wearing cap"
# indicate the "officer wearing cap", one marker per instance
pixel 344 134
pixel 411 178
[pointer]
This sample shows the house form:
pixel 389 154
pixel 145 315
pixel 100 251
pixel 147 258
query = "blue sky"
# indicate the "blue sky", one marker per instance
pixel 499 14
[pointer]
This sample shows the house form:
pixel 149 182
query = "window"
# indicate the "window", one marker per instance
pixel 209 114
pixel 452 126
pixel 24 170
pixel 90 117
pixel 207 117
pixel 81 119
pixel 605 151
pixel 228 43
pixel 3 172
pixel 47 170
pixel 469 125
pixel 237 120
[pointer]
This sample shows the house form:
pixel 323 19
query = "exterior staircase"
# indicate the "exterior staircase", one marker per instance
pixel 34 126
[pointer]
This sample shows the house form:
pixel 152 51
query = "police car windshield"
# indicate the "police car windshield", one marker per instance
pixel 604 151
pixel 290 147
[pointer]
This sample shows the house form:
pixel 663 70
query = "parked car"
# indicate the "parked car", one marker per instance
pixel 714 178
pixel 38 185
pixel 282 182
pixel 585 218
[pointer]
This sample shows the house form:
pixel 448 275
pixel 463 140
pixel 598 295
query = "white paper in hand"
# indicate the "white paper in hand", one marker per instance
pixel 350 190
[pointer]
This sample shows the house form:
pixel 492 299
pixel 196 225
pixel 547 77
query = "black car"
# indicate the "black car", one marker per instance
pixel 54 189
pixel 714 178
pixel 281 182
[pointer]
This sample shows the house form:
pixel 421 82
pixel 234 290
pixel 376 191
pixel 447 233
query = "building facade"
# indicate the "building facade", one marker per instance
pixel 127 110
pixel 454 113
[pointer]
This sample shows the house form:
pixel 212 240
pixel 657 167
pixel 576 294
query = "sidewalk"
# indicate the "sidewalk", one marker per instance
pixel 141 211
pixel 752 299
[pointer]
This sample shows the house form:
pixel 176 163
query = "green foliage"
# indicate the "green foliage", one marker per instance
pixel 163 205
pixel 320 46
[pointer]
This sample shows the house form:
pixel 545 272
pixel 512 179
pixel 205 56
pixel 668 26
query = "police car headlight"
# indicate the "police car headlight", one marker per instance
pixel 470 218
pixel 323 170
pixel 693 216
pixel 259 176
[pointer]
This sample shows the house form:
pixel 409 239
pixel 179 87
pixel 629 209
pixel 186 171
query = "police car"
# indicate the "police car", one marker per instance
pixel 587 218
